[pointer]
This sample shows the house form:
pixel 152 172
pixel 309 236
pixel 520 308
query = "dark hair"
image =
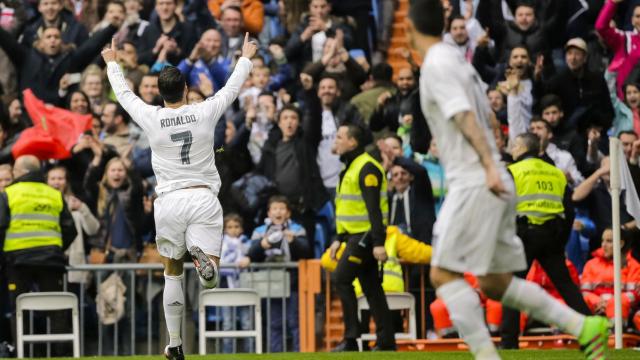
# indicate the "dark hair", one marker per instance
pixel 279 199
pixel 289 107
pixel 360 133
pixel 531 141
pixel 86 98
pixel 171 84
pixel 427 16
pixel 327 75
pixel 541 120
pixel 525 3
pixel 626 85
pixel 452 18
pixel 120 111
pixel 116 2
pixel 550 100
pixel 233 7
pixel 233 217
pixel 521 46
pixel 382 72
pixel 627 132
pixel 267 93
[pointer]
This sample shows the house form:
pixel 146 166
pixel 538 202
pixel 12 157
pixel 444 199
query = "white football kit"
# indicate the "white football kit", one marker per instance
pixel 475 230
pixel 183 157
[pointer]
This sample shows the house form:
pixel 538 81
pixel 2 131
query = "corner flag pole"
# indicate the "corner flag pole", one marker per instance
pixel 614 151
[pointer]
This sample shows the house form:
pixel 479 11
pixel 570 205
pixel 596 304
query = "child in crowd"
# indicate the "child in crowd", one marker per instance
pixel 280 239
pixel 234 248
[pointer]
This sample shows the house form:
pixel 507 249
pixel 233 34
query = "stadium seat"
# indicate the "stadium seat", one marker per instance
pixel 47 301
pixel 230 297
pixel 396 301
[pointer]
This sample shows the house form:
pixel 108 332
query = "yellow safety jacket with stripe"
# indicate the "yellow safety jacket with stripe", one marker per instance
pixel 35 216
pixel 351 211
pixel 540 190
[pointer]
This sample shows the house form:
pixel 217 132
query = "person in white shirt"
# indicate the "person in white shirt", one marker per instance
pixel 188 214
pixel 476 229
pixel 562 159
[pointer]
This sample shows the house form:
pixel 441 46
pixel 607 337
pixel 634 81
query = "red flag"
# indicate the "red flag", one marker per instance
pixel 54 132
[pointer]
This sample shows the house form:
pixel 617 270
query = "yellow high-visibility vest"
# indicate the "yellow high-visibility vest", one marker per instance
pixel 351 211
pixel 540 190
pixel 35 216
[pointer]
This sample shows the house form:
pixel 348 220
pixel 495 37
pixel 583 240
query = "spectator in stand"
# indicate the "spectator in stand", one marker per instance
pixel 232 26
pixel 53 14
pixel 78 102
pixel 280 239
pixel 464 33
pixel 206 60
pixel 115 9
pixel 517 87
pixel 561 159
pixel 367 101
pixel 624 44
pixel 565 134
pixel 128 58
pixel 411 198
pixel 289 161
pixel 252 12
pixel 92 84
pixel 6 176
pixel 135 25
pixel 527 28
pixel 116 128
pixel 83 219
pixel 259 119
pixel 584 93
pixel 498 105
pixel 435 170
pixel 594 196
pixel 388 104
pixel 597 281
pixel 52 58
pixel 324 114
pixel 116 199
pixel 166 32
pixel 307 42
pixel 336 61
pixel 148 89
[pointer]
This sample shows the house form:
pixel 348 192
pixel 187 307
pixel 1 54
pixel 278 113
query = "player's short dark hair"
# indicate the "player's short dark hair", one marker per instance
pixel 233 217
pixel 171 84
pixel 281 199
pixel 531 141
pixel 627 132
pixel 541 120
pixel 427 16
pixel 550 100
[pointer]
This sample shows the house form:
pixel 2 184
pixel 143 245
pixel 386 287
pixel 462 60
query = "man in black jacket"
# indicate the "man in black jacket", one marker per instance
pixel 289 161
pixel 54 14
pixel 166 32
pixel 42 66
pixel 35 229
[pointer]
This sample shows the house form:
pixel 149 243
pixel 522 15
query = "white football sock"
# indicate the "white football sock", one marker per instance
pixel 173 301
pixel 466 314
pixel 532 299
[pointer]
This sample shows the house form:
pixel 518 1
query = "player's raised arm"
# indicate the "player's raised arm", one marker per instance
pixel 222 99
pixel 129 101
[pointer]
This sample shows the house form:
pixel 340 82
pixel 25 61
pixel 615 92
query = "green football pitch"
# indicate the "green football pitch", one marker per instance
pixel 506 355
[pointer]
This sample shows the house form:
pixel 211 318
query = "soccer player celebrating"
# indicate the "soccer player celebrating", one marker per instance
pixel 188 215
pixel 476 229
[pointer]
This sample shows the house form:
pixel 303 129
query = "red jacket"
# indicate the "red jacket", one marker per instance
pixel 597 277
pixel 539 276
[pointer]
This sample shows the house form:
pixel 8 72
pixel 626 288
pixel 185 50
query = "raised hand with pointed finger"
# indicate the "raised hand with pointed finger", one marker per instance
pixel 249 48
pixel 109 53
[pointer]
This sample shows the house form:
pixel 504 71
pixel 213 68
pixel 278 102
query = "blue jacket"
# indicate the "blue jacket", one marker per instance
pixel 217 71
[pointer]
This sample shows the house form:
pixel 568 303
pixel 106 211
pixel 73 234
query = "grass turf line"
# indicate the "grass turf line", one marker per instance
pixel 506 355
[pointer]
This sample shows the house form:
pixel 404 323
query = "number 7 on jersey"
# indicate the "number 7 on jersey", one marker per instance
pixel 187 139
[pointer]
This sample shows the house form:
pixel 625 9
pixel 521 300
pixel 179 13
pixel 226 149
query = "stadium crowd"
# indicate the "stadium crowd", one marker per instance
pixel 566 71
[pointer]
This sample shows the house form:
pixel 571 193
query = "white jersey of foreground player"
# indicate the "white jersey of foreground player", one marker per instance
pixel 450 85
pixel 181 139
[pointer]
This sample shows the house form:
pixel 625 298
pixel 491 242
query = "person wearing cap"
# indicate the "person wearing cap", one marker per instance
pixel 624 44
pixel 583 92
pixel 361 217
pixel 542 223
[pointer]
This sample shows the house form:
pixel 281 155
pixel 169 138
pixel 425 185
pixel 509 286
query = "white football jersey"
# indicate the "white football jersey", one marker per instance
pixel 181 139
pixel 450 85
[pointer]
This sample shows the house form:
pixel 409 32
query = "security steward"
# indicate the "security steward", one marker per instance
pixel 35 229
pixel 541 191
pixel 361 213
